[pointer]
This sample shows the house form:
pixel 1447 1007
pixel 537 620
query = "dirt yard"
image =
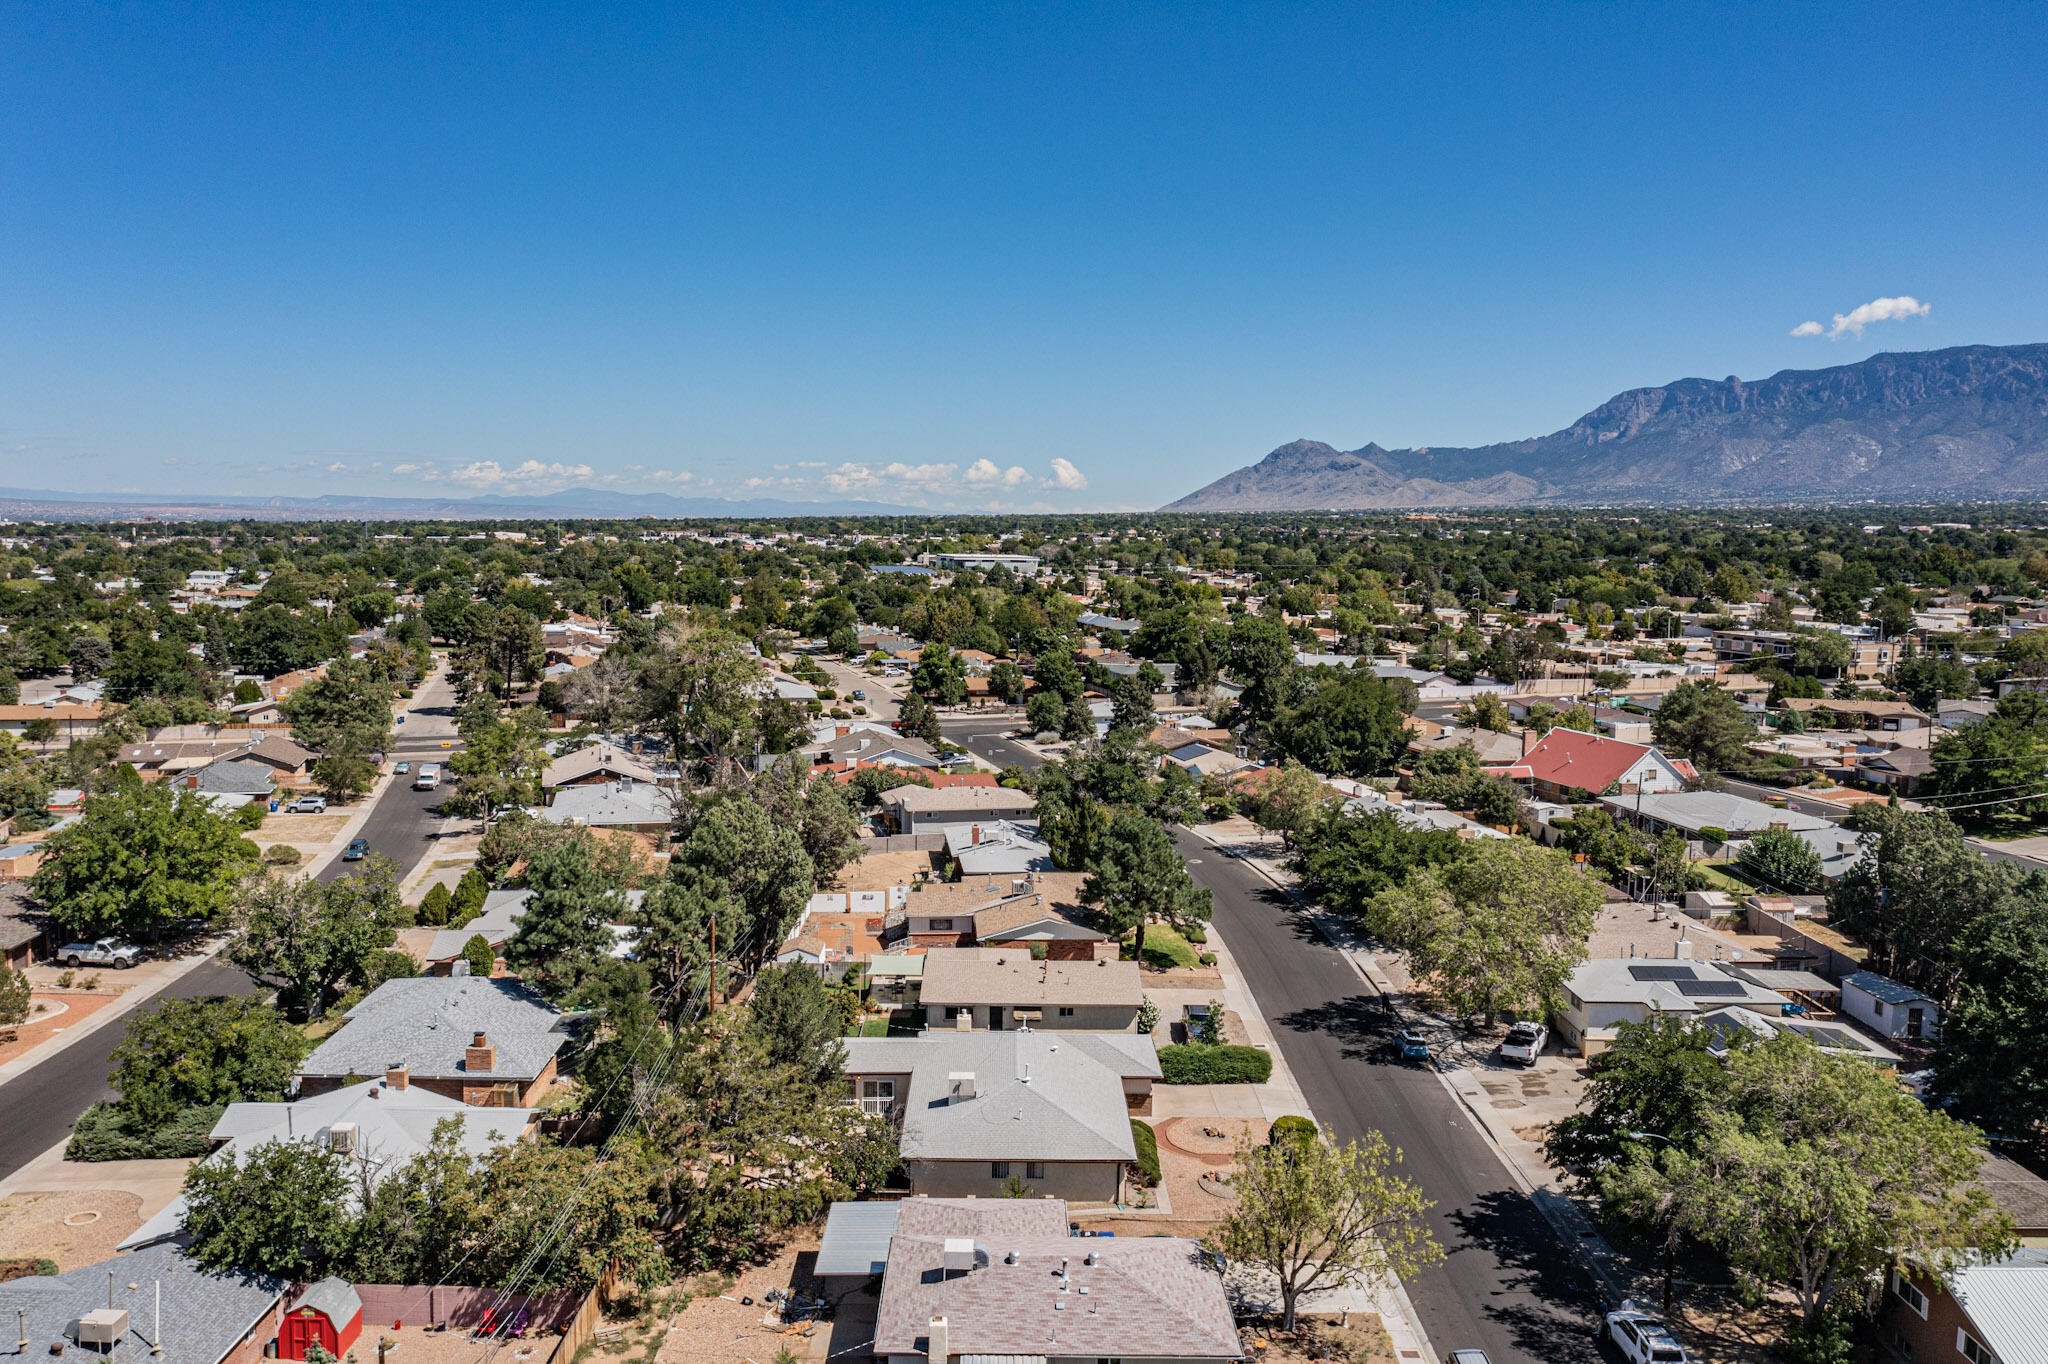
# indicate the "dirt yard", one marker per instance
pixel 75 1227
pixel 727 1319
pixel 881 870
pixel 61 1010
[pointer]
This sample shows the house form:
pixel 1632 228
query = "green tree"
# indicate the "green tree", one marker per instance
pixel 200 1053
pixel 1928 678
pixel 1486 711
pixel 1287 801
pixel 917 719
pixel 501 759
pixel 1815 1173
pixel 1318 1216
pixel 271 1210
pixel 1659 1077
pixel 674 942
pixel 1704 722
pixel 1347 860
pixel 702 692
pixel 1078 724
pixel 735 848
pixel 1988 1064
pixel 1261 660
pixel 1782 860
pixel 315 939
pixel 796 1020
pixel 1045 712
pixel 347 710
pixel 1131 705
pixel 436 905
pixel 819 810
pixel 1350 723
pixel 139 859
pixel 14 998
pixel 1137 875
pixel 940 676
pixel 2002 760
pixel 1006 680
pixel 1497 930
pixel 481 956
pixel 564 934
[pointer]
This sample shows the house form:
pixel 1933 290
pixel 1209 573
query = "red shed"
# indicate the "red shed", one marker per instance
pixel 328 1314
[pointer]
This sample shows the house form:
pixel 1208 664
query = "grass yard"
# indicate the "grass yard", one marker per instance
pixel 1166 949
pixel 1726 876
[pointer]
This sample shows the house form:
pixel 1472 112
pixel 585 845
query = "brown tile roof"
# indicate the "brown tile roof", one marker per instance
pixel 956 975
pixel 1148 1296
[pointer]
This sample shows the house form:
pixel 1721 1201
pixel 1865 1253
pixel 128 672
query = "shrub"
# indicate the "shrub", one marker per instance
pixel 1713 833
pixel 1196 1064
pixel 1206 958
pixel 1148 1153
pixel 1195 933
pixel 281 855
pixel 1292 1128
pixel 479 954
pixel 250 816
pixel 104 1132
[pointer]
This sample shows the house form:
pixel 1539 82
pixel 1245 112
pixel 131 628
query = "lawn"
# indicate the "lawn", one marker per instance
pixel 1726 876
pixel 1165 949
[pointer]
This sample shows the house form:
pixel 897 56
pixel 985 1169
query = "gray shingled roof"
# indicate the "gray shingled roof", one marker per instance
pixel 426 1022
pixel 1038 1095
pixel 204 1314
pixel 1153 1297
pixel 235 777
pixel 334 1299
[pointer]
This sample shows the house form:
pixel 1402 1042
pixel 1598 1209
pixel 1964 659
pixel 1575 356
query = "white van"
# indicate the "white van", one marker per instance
pixel 427 778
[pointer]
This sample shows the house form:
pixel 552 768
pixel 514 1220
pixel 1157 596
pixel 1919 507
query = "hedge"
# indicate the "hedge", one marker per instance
pixel 1148 1152
pixel 1292 1128
pixel 1197 1063
pixel 102 1133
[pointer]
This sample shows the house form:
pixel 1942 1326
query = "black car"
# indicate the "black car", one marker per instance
pixel 356 851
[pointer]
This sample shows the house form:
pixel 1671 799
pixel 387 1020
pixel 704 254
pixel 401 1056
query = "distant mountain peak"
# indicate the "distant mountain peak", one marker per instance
pixel 1970 422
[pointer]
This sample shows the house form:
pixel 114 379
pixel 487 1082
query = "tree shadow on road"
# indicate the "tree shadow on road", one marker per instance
pixel 1559 1324
pixel 1362 1024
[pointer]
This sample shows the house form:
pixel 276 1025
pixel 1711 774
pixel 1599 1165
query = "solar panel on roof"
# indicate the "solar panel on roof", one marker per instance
pixel 1710 989
pixel 1661 972
pixel 1830 1037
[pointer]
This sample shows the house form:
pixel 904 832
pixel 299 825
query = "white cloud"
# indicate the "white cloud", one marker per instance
pixel 1065 475
pixel 984 471
pixel 852 477
pixel 488 473
pixel 1856 319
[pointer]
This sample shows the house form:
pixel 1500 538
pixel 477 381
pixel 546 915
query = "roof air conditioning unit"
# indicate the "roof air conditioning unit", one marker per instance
pixel 341 1138
pixel 103 1326
pixel 960 1085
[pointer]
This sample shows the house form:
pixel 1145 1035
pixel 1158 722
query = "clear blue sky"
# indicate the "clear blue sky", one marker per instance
pixel 850 250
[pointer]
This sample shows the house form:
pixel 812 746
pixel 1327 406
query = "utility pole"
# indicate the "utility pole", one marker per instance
pixel 711 982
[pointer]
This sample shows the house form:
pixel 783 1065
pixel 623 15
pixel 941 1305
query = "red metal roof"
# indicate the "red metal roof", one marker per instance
pixel 1566 757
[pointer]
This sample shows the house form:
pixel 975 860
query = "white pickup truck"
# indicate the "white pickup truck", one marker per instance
pixel 106 952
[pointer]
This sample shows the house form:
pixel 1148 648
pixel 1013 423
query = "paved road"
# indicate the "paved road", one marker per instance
pixel 1505 1285
pixel 403 823
pixel 38 1106
pixel 881 700
pixel 988 739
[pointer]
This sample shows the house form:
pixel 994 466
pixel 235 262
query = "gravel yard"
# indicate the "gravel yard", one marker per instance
pixel 73 1227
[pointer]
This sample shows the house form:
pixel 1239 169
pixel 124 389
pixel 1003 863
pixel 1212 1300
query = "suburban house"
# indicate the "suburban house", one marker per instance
pixel 1603 994
pixel 1903 769
pixel 376 1125
pixel 490 1043
pixel 857 1235
pixel 1883 716
pixel 125 1307
pixel 594 766
pixel 997 847
pixel 1019 1296
pixel 233 783
pixel 969 988
pixel 1568 760
pixel 496 923
pixel 1890 1009
pixel 870 744
pixel 977 1108
pixel 1008 911
pixel 72 722
pixel 24 940
pixel 1200 760
pixel 1692 813
pixel 638 806
pixel 912 809
pixel 1725 1024
pixel 1989 1313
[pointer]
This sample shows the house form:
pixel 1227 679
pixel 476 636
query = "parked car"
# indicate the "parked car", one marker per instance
pixel 1414 1047
pixel 356 851
pixel 1469 1357
pixel 857 694
pixel 402 768
pixel 1643 1338
pixel 105 952
pixel 1524 1043
pixel 308 805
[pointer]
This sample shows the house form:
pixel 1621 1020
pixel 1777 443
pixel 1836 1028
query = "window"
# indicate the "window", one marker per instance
pixel 1877 1008
pixel 942 925
pixel 877 1097
pixel 1971 1349
pixel 1034 1169
pixel 1908 1294
pixel 1066 1013
pixel 999 1169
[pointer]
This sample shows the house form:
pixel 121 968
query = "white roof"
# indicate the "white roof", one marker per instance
pixel 2008 1305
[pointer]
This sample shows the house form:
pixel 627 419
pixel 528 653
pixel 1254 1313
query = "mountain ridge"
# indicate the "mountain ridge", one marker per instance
pixel 1968 422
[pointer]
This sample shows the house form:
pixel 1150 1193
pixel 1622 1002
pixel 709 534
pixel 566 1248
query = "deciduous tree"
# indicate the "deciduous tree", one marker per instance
pixel 139 859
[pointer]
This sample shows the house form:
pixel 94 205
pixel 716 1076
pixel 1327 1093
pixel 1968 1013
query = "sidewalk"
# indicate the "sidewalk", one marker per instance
pixel 1524 1160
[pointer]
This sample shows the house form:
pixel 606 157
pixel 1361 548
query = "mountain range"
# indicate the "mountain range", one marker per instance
pixel 1965 424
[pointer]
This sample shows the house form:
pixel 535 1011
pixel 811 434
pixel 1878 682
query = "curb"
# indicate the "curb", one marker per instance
pixel 130 1000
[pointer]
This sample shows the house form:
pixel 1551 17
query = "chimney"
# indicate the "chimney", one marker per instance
pixel 1530 738
pixel 479 1054
pixel 937 1341
pixel 977 834
pixel 397 1076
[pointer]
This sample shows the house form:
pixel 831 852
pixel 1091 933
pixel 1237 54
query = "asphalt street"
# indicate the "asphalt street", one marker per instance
pixel 1506 1285
pixel 404 823
pixel 38 1106
pixel 989 739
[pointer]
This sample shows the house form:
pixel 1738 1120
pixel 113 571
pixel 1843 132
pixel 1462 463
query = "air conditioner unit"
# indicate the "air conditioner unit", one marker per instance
pixel 960 1085
pixel 103 1326
pixel 341 1138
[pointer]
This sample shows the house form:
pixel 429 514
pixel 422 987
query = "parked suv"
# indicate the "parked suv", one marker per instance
pixel 1642 1338
pixel 308 805
pixel 106 952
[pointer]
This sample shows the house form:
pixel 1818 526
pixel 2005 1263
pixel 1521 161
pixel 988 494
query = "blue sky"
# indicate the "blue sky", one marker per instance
pixel 1011 256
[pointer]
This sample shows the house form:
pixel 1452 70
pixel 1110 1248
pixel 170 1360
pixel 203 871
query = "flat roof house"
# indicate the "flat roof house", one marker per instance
pixel 971 988
pixel 977 1108
pixel 486 1042
pixel 997 847
pixel 912 809
pixel 1889 1008
pixel 1604 994
pixel 857 1235
pixel 1048 1297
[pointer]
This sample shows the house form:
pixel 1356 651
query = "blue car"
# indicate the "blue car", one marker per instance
pixel 1412 1044
pixel 356 851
